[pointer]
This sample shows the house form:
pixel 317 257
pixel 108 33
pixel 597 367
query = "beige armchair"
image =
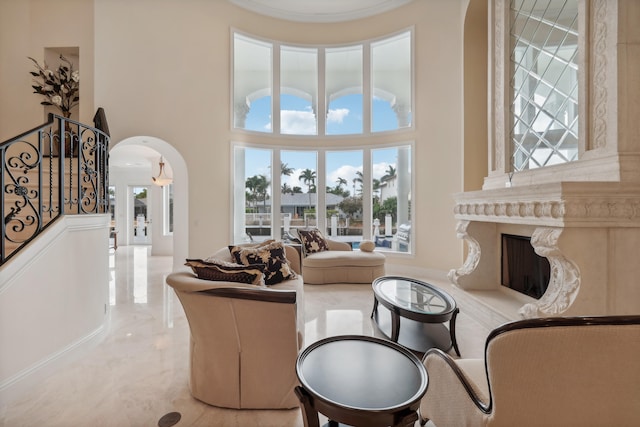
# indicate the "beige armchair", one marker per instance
pixel 244 338
pixel 541 372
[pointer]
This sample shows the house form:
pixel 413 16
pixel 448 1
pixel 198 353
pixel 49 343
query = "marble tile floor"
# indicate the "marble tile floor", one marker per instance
pixel 139 371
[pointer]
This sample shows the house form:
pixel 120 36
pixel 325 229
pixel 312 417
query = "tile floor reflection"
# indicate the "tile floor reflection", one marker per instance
pixel 139 371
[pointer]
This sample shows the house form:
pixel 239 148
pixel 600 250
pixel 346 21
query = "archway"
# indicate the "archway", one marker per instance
pixel 154 148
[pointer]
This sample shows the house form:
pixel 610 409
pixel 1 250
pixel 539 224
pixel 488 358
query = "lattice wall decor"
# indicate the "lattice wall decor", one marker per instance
pixel 544 82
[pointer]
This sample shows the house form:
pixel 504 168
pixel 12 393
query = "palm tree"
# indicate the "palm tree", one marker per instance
pixel 389 174
pixel 376 187
pixel 308 176
pixel 286 189
pixel 359 178
pixel 252 184
pixel 285 169
pixel 341 182
pixel 262 188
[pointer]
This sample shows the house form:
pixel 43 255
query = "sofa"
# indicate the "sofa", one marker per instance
pixel 328 261
pixel 245 337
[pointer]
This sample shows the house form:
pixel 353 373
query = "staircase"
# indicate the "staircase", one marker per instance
pixel 43 179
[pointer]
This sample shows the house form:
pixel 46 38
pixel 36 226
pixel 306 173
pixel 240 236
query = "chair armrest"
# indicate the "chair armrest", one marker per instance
pixel 260 294
pixel 334 245
pixel 452 397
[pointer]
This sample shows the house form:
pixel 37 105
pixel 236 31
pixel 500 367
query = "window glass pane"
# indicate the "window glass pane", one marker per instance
pixel 168 208
pixel 112 205
pixel 391 83
pixel 391 170
pixel 344 195
pixel 255 167
pixel 298 90
pixel 252 88
pixel 544 82
pixel 298 187
pixel 343 86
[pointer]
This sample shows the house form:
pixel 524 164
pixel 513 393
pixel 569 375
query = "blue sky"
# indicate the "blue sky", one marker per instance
pixel 344 117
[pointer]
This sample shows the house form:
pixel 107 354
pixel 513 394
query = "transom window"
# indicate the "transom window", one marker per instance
pixel 321 90
pixel 544 82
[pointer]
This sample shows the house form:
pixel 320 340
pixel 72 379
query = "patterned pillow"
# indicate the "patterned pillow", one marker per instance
pixel 312 241
pixel 222 271
pixel 271 255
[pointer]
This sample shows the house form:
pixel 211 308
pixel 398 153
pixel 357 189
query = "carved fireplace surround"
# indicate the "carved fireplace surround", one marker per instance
pixel 583 216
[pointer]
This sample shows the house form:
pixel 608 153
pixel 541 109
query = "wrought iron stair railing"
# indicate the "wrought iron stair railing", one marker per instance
pixel 43 179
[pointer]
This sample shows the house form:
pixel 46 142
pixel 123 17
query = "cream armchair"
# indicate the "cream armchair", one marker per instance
pixel 541 372
pixel 244 338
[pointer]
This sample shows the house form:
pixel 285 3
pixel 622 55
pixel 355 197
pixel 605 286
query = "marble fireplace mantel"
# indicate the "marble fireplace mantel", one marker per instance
pixel 589 232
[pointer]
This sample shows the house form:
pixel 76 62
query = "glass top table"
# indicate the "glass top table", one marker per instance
pixel 423 309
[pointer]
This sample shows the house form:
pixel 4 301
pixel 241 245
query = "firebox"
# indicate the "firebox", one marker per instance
pixel 523 270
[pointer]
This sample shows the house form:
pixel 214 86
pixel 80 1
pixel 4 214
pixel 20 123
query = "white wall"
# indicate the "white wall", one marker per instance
pixel 175 85
pixel 53 297
pixel 162 68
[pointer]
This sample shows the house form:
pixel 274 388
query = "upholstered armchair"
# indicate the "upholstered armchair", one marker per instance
pixel 244 339
pixel 542 372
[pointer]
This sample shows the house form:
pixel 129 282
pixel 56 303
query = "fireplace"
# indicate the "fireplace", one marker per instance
pixel 523 270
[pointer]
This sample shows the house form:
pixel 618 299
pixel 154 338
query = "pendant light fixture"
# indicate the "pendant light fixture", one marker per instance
pixel 162 179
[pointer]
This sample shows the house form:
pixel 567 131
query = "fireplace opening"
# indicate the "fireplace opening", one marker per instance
pixel 523 270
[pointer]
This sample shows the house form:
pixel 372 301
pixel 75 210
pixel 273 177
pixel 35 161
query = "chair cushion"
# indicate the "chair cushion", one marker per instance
pixel 330 259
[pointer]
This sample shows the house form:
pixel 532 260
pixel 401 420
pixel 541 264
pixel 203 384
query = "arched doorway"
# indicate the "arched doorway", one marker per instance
pixel 132 164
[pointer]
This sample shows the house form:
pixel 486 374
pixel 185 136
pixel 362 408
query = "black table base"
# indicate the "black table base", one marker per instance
pixel 414 335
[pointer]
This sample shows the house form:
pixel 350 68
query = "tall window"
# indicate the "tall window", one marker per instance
pixel 544 82
pixel 252 194
pixel 391 186
pixel 299 188
pixel 344 188
pixel 343 84
pixel 391 81
pixel 362 194
pixel 321 88
pixel 252 69
pixel 298 90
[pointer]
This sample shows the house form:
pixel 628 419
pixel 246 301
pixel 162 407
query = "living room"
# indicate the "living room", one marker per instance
pixel 162 71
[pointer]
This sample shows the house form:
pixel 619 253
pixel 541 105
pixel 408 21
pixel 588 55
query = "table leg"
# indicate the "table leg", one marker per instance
pixel 406 420
pixel 395 326
pixel 309 414
pixel 375 306
pixel 452 330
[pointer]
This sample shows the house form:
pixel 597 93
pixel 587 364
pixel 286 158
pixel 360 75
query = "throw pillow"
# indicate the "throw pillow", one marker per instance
pixel 312 241
pixel 222 271
pixel 272 255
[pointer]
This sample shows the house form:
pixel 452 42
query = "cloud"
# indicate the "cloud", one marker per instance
pixel 298 122
pixel 337 115
pixel 347 172
pixel 295 122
